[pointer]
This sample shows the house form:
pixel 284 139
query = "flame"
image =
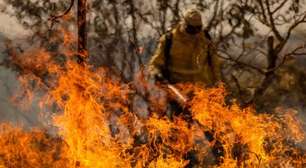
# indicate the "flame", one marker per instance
pixel 98 128
pixel 84 124
pixel 244 131
pixel 30 149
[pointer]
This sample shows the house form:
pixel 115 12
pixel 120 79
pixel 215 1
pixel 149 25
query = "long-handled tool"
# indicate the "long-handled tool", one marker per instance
pixel 177 93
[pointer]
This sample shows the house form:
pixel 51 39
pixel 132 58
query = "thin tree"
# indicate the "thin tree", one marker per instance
pixel 82 32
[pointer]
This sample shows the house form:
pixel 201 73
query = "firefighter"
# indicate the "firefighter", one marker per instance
pixel 186 54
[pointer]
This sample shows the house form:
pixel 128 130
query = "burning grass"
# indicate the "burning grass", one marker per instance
pixel 97 127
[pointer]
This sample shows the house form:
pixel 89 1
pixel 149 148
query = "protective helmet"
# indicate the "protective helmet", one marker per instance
pixel 193 17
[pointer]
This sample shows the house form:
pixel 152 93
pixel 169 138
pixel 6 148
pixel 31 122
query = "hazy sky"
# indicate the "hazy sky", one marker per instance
pixel 10 27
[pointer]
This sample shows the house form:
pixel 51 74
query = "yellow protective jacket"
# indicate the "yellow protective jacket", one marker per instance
pixel 188 59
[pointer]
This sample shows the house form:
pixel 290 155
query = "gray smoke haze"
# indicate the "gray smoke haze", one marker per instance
pixel 10 111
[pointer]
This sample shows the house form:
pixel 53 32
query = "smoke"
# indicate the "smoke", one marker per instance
pixel 14 106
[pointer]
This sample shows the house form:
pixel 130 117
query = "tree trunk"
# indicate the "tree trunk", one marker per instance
pixel 272 59
pixel 270 74
pixel 82 32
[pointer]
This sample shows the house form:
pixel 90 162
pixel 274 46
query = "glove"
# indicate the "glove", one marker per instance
pixel 156 75
pixel 159 77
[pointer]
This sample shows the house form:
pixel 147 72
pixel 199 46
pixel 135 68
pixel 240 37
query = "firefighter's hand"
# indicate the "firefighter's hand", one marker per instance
pixel 159 77
pixel 156 75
